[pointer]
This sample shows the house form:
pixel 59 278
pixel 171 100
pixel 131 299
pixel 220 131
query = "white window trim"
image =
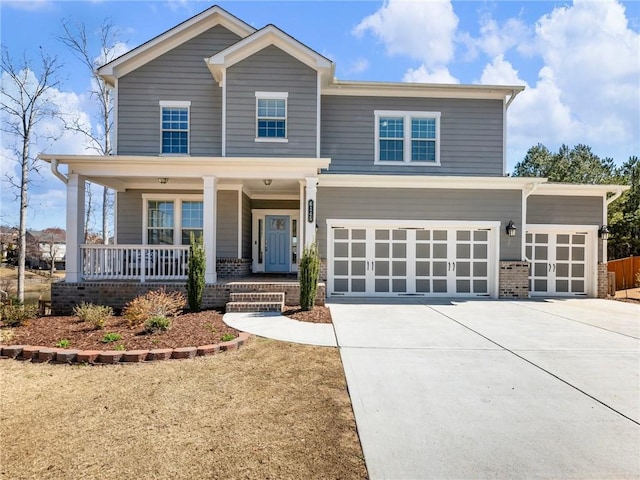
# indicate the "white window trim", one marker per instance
pixel 176 104
pixel 177 200
pixel 274 96
pixel 407 116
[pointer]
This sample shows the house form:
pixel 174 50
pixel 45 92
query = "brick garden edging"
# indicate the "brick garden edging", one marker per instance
pixel 110 357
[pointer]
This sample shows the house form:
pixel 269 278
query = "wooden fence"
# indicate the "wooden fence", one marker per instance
pixel 625 270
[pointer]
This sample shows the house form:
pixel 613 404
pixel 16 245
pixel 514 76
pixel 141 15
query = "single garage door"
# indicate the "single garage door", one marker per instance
pixel 561 261
pixel 411 259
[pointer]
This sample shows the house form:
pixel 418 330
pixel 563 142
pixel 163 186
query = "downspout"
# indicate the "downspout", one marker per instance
pixel 56 172
pixel 526 192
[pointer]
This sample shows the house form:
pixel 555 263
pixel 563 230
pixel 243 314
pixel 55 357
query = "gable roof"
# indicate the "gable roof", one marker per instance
pixel 171 39
pixel 267 36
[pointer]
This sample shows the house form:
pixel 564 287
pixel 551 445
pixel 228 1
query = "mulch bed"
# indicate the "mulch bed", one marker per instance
pixel 187 330
pixel 317 315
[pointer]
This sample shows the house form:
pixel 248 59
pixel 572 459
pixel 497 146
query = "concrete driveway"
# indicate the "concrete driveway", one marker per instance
pixel 494 389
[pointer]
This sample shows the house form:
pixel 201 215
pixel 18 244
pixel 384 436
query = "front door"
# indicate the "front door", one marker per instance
pixel 277 249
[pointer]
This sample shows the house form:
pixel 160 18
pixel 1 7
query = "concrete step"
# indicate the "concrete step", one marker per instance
pixel 257 297
pixel 246 307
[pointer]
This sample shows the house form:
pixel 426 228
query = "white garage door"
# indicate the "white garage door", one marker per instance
pixel 561 262
pixel 415 259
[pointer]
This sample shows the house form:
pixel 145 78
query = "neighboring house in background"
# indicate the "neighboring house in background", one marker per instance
pixel 245 137
pixel 8 242
pixel 43 245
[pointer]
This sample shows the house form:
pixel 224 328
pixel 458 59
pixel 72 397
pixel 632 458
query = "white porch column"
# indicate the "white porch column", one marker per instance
pixel 301 222
pixel 75 227
pixel 310 211
pixel 209 227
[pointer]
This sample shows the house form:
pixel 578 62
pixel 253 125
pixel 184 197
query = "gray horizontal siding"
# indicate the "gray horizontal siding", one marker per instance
pixel 180 74
pixel 419 204
pixel 564 210
pixel 271 70
pixel 471 134
pixel 130 226
pixel 227 224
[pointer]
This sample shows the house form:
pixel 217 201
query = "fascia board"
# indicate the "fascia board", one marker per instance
pixel 269 35
pixel 425 181
pixel 570 189
pixel 379 89
pixel 173 38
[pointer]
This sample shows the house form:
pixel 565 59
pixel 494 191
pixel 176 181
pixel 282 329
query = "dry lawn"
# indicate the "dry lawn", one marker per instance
pixel 270 410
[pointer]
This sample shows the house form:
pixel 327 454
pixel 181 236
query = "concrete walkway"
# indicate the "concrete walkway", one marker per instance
pixel 493 389
pixel 279 327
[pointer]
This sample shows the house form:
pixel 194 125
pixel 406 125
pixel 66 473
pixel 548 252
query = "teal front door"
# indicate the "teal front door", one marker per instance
pixel 277 248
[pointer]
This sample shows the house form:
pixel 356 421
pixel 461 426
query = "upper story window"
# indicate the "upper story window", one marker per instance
pixel 271 116
pixel 175 127
pixel 407 137
pixel 171 219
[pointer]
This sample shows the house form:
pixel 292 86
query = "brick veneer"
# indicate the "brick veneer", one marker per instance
pixel 233 267
pixel 37 354
pixel 603 281
pixel 513 280
pixel 64 296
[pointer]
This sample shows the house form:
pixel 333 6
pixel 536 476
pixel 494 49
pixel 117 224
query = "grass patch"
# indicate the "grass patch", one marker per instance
pixel 269 410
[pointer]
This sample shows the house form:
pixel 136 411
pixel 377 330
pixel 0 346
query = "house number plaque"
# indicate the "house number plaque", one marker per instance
pixel 310 211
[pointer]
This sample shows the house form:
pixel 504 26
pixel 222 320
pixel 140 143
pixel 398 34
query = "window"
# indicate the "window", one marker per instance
pixel 191 221
pixel 160 222
pixel 170 220
pixel 271 116
pixel 407 137
pixel 175 127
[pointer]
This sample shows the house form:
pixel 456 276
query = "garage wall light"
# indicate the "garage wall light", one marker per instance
pixel 603 232
pixel 511 229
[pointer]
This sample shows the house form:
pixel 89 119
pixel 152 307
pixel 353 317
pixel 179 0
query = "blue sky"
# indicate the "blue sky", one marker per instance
pixel 579 60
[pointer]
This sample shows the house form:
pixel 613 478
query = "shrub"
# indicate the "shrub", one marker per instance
pixel 309 270
pixel 157 324
pixel 111 337
pixel 156 303
pixel 195 281
pixel 17 315
pixel 64 343
pixel 120 348
pixel 96 315
pixel 227 337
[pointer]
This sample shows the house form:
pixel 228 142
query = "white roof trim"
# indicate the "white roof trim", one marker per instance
pixel 571 189
pixel 171 39
pixel 269 35
pixel 431 181
pixel 431 90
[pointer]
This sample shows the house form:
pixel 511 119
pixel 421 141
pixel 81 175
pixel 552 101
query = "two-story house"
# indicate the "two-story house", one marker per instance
pixel 245 137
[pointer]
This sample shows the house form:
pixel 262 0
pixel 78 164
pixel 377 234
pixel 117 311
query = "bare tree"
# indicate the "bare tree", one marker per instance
pixel 76 39
pixel 24 102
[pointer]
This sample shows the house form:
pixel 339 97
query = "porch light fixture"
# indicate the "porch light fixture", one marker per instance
pixel 511 229
pixel 603 232
pixel 267 181
pixel 163 180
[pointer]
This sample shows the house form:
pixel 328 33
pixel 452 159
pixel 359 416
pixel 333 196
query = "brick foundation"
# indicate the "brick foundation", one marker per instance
pixel 513 279
pixel 233 267
pixel 603 281
pixel 65 296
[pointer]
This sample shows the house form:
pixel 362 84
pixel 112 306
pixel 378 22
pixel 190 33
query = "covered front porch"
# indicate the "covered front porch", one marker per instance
pixel 253 214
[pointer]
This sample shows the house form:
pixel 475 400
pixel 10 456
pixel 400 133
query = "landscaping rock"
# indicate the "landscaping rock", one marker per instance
pixel 231 345
pixel 110 356
pixel 12 351
pixel 45 355
pixel 159 354
pixel 88 356
pixel 67 356
pixel 207 350
pixel 134 356
pixel 30 352
pixel 184 352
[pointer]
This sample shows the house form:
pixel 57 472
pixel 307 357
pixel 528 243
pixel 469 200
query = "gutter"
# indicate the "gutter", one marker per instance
pixel 56 172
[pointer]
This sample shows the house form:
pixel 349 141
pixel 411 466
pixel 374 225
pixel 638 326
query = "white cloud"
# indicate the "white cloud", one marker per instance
pixel 496 39
pixel 423 75
pixel 359 65
pixel 500 72
pixel 29 5
pixel 420 30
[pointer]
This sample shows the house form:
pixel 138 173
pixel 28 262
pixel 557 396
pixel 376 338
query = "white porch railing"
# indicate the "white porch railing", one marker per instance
pixel 134 262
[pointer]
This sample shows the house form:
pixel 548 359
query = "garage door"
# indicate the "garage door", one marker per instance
pixel 430 260
pixel 560 261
